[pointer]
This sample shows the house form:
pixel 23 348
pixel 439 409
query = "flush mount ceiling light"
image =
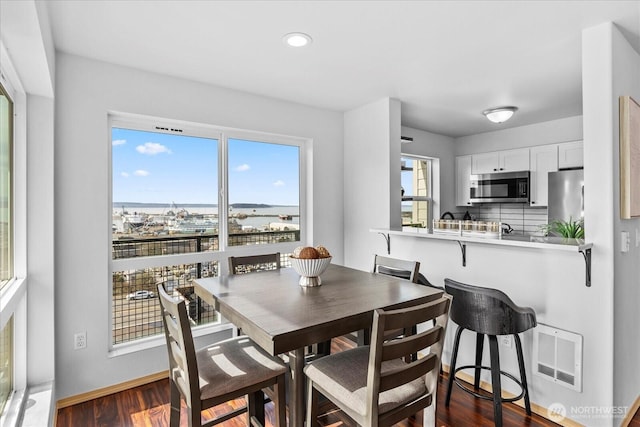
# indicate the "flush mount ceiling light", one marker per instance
pixel 297 39
pixel 499 115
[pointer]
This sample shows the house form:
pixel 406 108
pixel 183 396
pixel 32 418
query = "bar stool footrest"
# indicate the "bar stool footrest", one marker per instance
pixel 462 386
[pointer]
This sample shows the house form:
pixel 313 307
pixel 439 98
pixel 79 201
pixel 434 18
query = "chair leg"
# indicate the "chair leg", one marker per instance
pixel 495 380
pixel 523 375
pixel 364 337
pixel 452 368
pixel 174 417
pixel 280 408
pixel 321 349
pixel 255 407
pixel 414 331
pixel 479 349
pixel 312 405
pixel 194 414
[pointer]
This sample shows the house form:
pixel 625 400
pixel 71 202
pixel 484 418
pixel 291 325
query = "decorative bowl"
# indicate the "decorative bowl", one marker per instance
pixel 310 270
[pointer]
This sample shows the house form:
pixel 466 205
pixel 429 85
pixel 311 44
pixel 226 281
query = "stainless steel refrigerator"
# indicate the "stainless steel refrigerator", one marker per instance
pixel 566 195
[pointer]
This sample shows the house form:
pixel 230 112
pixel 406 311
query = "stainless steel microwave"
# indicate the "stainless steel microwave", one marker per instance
pixel 505 187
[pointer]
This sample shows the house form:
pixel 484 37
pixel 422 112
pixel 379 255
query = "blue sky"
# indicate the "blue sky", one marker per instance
pixel 159 168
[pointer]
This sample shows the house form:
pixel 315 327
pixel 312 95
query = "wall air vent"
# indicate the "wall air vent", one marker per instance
pixel 557 356
pixel 168 129
pixel 406 139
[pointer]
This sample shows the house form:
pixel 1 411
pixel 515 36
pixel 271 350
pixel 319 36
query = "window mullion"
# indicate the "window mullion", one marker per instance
pixel 223 195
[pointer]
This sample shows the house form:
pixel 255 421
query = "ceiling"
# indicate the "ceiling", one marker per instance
pixel 447 61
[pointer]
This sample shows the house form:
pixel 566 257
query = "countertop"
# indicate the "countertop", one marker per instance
pixel 517 240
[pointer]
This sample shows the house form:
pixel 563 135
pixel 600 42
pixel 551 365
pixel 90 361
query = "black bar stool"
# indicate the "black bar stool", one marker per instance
pixel 488 312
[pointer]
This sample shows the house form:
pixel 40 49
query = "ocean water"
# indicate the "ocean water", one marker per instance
pixel 256 217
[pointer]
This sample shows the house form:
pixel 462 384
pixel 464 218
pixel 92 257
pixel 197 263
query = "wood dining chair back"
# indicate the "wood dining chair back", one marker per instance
pixel 254 263
pixel 409 270
pixel 216 374
pixel 374 384
pixel 396 267
pixel 404 269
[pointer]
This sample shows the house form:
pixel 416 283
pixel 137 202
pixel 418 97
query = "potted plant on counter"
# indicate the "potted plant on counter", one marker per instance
pixel 568 229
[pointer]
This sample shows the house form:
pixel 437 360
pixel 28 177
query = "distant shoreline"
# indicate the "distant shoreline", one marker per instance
pixel 196 205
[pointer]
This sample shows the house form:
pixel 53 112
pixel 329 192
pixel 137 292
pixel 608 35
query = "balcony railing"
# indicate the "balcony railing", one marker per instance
pixel 131 246
pixel 138 315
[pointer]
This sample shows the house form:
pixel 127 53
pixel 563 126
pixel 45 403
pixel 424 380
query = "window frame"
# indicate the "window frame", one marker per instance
pixel 11 274
pixel 222 135
pixel 433 186
pixel 13 296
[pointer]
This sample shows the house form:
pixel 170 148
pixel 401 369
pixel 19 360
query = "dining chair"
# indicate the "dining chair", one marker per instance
pixel 375 385
pixel 216 374
pixel 409 270
pixel 404 269
pixel 254 263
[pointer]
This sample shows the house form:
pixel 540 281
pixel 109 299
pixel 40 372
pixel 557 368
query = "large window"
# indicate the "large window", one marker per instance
pixel 264 192
pixel 417 191
pixel 6 205
pixel 183 199
pixel 6 241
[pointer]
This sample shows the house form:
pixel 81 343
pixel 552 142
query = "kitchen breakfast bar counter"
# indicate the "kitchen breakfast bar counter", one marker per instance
pixel 522 241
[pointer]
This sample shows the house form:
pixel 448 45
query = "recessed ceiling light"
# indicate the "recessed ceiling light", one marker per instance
pixel 297 39
pixel 501 114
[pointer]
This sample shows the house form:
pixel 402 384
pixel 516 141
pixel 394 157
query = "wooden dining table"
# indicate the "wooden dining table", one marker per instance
pixel 284 318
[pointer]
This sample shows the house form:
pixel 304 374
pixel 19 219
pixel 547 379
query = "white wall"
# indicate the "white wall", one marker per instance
pixel 40 240
pixel 625 80
pixel 551 132
pixel 440 146
pixel 86 91
pixel 371 177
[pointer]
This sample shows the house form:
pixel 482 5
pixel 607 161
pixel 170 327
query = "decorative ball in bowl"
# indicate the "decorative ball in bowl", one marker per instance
pixel 310 263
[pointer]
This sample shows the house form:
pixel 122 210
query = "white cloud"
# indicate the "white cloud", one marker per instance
pixel 152 148
pixel 242 168
pixel 118 142
pixel 124 174
pixel 141 172
pixel 278 183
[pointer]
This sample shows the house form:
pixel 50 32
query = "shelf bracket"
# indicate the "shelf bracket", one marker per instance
pixel 387 238
pixel 463 248
pixel 586 253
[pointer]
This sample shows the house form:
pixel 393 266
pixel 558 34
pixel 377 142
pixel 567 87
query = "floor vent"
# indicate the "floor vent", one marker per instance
pixel 557 356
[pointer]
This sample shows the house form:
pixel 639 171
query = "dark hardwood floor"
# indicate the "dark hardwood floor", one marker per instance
pixel 148 405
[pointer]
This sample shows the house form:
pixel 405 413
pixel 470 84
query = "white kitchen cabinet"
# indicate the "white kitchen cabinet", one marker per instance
pixel 463 187
pixel 500 161
pixel 570 155
pixel 544 159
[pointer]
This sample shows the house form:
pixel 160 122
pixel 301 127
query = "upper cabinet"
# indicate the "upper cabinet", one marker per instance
pixel 544 159
pixel 500 161
pixel 570 155
pixel 539 160
pixel 463 187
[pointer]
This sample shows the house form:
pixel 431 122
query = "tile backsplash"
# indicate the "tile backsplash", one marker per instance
pixel 523 218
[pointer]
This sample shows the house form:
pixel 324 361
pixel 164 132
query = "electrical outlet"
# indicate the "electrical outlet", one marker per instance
pixel 625 241
pixel 80 340
pixel 505 340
